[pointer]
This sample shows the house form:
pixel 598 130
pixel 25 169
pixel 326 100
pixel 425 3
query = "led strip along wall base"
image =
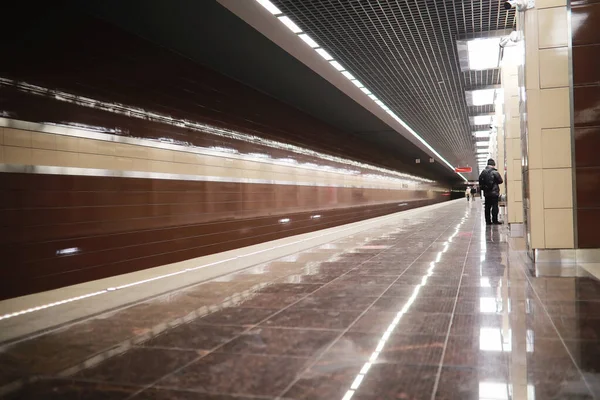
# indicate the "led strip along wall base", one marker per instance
pixel 271 8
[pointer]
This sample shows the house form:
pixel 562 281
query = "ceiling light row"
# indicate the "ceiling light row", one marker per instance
pixel 323 53
pixel 484 97
pixel 482 134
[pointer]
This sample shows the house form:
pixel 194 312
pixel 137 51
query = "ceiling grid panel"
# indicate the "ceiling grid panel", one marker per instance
pixel 404 51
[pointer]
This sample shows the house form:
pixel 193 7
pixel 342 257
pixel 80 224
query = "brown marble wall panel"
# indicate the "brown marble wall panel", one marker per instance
pixel 586 69
pixel 588 222
pixel 122 225
pixel 585 24
pixel 586 102
pixel 585 18
pixel 587 143
pixel 588 187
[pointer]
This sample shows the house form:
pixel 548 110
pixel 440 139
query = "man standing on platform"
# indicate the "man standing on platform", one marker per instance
pixel 489 181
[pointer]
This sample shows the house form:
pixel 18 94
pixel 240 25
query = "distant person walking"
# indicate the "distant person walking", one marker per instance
pixel 473 192
pixel 489 181
pixel 468 193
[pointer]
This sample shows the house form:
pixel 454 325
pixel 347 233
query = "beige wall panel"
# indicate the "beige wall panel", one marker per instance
pixel 559 228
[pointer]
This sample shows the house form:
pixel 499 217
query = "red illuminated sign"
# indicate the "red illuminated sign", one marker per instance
pixel 463 169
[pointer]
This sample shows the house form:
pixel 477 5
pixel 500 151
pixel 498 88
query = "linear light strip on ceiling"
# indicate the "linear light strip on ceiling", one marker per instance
pixel 323 53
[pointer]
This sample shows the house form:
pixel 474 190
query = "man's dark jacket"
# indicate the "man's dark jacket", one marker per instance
pixel 494 190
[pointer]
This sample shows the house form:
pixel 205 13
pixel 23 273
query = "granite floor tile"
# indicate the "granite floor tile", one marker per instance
pixel 331 379
pixel 310 278
pixel 394 381
pixel 366 280
pixel 268 300
pixel 292 288
pixel 238 316
pixel 50 353
pixel 385 264
pixel 586 355
pixel 327 379
pixel 355 288
pixel 471 324
pixel 325 302
pixel 284 342
pixel 558 382
pixel 380 271
pixel 431 281
pixel 194 336
pixel 296 317
pixel 410 323
pixel 62 389
pixel 166 394
pixel 419 304
pixel 485 305
pixel 138 366
pixel 351 290
pixel 237 374
pixel 401 290
pixel 432 291
pixel 472 384
pixel 436 274
pixel 485 350
pixel 402 349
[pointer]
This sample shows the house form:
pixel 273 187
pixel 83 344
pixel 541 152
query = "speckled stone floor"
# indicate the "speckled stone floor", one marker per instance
pixel 438 307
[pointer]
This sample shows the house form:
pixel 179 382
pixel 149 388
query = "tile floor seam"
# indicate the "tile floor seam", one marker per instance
pixel 441 363
pixel 247 330
pixel 562 340
pixel 317 358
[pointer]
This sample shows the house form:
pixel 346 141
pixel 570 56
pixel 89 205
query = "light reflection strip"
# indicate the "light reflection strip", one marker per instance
pixel 384 338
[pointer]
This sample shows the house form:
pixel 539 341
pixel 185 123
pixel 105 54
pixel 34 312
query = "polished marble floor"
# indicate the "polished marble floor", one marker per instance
pixel 437 307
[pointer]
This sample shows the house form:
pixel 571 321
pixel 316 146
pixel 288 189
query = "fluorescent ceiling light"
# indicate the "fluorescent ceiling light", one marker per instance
pixel 308 40
pixel 358 84
pixel 482 97
pixel 482 151
pixel 482 144
pixel 337 65
pixel 484 53
pixel 372 96
pixel 269 6
pixel 482 119
pixel 365 90
pixel 290 24
pixel 324 54
pixel 348 75
pixel 482 134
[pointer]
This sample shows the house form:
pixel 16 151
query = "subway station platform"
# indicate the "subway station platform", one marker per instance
pixel 435 305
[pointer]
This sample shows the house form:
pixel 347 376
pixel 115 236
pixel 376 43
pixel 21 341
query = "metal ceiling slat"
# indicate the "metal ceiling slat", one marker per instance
pixel 401 49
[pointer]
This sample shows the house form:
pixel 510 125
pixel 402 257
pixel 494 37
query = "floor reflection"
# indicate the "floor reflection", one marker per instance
pixel 440 306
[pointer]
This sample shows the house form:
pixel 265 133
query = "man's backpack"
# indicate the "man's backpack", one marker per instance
pixel 486 179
